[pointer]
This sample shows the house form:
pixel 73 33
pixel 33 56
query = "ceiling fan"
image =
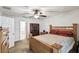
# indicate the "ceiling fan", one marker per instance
pixel 36 13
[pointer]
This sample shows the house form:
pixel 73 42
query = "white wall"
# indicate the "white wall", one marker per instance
pixel 0 21
pixel 74 15
pixel 0 13
pixel 17 29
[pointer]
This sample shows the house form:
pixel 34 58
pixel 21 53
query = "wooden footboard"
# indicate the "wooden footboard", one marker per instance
pixel 41 47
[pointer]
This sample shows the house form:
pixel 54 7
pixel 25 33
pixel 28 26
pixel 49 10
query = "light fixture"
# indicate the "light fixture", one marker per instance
pixel 36 16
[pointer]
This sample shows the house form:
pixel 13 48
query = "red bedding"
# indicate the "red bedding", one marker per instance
pixel 63 32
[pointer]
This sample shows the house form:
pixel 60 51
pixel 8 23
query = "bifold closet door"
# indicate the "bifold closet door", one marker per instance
pixel 34 29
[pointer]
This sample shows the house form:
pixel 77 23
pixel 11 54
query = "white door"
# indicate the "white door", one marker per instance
pixel 22 30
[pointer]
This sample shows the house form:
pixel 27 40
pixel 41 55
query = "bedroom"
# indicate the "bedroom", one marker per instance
pixel 19 19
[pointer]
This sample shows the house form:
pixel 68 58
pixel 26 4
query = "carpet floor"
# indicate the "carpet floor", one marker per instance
pixel 20 47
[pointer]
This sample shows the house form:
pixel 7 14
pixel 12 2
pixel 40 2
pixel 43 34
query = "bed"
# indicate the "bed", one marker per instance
pixel 54 42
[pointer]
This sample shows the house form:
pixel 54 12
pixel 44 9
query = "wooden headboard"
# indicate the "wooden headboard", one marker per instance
pixel 72 29
pixel 61 30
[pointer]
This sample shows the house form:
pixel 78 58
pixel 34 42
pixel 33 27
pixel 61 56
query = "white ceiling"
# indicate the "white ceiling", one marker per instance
pixel 55 8
pixel 21 10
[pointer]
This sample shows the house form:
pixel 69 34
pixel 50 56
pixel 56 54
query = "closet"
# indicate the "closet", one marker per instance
pixel 34 29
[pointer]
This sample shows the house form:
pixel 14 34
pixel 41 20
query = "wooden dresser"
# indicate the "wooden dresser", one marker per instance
pixel 4 38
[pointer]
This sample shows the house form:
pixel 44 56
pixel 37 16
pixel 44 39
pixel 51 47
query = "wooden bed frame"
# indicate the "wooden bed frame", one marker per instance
pixel 42 47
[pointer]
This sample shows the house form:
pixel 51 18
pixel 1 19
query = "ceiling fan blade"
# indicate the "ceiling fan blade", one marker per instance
pixel 43 16
pixel 27 16
pixel 6 7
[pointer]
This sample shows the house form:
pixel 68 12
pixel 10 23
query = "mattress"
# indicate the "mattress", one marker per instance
pixel 66 42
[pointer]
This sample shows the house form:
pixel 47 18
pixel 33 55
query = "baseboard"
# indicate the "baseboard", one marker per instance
pixel 12 45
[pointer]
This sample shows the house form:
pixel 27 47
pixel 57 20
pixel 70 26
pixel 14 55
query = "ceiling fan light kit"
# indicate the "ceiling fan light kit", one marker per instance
pixel 36 16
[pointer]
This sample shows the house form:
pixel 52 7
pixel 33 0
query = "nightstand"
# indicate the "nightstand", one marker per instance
pixel 41 33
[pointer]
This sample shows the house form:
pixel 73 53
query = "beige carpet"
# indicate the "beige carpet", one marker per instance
pixel 20 47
